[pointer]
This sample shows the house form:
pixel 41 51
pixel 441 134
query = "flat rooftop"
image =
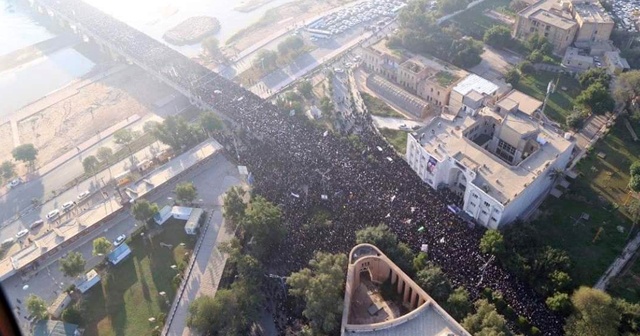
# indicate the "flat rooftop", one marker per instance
pixel 476 83
pixel 445 137
pixel 526 104
pixel 549 12
pixel 592 13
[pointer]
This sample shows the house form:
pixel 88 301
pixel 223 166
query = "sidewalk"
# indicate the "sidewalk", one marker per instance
pixel 619 263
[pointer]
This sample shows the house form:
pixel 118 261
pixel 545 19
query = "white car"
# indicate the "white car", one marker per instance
pixel 119 240
pixel 83 194
pixel 22 233
pixel 68 205
pixel 53 214
pixel 14 183
pixel 338 70
pixel 36 224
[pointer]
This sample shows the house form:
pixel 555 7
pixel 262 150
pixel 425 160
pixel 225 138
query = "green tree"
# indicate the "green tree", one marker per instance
pixel 37 307
pixel 72 265
pixel 71 315
pixel 306 88
pixel 211 46
pixel 8 169
pixel 291 45
pixel 560 281
pixel 559 302
pixel 634 183
pixel 104 154
pixel 630 313
pixel 387 242
pixel 512 76
pixel 101 246
pixel 595 314
pixel 321 286
pixel 90 164
pixel 450 6
pixel 434 282
pixel 26 153
pixel 125 137
pixel 535 56
pixel 326 106
pixel 594 75
pixel 263 222
pixel 575 119
pixel 185 192
pixel 234 206
pixel 492 242
pixel 526 67
pixel 627 87
pixel 486 320
pixel 210 123
pixel 420 261
pixel 231 312
pixel 634 169
pixel 175 132
pixel 266 60
pixel 143 210
pixel 497 36
pixel 458 304
pixel 596 98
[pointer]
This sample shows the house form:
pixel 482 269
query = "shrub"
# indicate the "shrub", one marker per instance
pixel 526 67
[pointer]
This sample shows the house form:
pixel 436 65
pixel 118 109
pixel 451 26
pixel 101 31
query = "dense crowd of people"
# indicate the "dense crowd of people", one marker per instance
pixel 304 168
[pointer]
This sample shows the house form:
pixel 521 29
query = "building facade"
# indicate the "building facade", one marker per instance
pixel 550 19
pixel 499 160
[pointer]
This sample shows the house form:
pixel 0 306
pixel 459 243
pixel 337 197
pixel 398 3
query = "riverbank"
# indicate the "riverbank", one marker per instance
pixel 277 19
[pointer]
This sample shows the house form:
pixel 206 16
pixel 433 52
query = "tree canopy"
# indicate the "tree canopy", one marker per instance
pixel 211 46
pixel 266 59
pixel 321 286
pixel 593 76
pixel 292 45
pixel 175 132
pixel 234 206
pixel 210 123
pixel 101 246
pixel 104 154
pixel 124 136
pixel 492 242
pixel 26 153
pixel 559 302
pixel 263 222
pixel 231 312
pixel 37 307
pixel 627 86
pixel 498 36
pixel 387 242
pixel 596 98
pixel 595 314
pixel 73 264
pixel 8 169
pixel 143 210
pixel 485 321
pixel 90 164
pixel 305 88
pixel 186 192
pixel 434 282
pixel 458 304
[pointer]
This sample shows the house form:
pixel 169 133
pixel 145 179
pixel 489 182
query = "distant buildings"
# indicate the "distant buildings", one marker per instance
pixel 498 157
pixel 372 311
pixel 563 22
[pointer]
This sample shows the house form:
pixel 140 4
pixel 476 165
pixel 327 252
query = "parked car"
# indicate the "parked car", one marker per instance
pixel 83 194
pixel 22 233
pixel 119 240
pixel 36 224
pixel 53 214
pixel 14 183
pixel 8 242
pixel 68 205
pixel 338 70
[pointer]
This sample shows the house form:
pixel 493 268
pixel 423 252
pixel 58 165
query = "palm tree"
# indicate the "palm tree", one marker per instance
pixel 556 174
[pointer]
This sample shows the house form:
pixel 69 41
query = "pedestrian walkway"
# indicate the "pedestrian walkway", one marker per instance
pixel 203 278
pixel 619 263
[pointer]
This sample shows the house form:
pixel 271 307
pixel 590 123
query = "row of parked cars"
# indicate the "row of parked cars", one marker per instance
pixel 51 216
pixel 367 11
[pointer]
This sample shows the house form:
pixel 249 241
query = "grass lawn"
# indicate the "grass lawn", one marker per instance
pixel 627 285
pixel 398 139
pixel 129 296
pixel 474 23
pixel 560 103
pixel 600 192
pixel 378 107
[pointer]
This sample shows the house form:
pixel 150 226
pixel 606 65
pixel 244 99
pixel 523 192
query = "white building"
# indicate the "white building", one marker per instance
pixel 498 159
pixel 470 94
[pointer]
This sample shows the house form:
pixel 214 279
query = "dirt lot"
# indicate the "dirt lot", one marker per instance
pixel 97 106
pixel 276 19
pixel 6 142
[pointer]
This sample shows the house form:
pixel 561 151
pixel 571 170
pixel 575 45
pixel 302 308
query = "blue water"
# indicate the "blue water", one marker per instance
pixel 17 28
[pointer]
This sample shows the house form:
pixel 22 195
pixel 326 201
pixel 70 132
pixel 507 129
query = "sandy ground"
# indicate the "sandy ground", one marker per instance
pixel 6 142
pixel 97 106
pixel 286 16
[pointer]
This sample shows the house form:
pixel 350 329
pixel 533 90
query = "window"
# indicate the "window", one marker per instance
pixel 473 205
pixel 484 212
pixel 505 151
pixel 486 204
pixel 475 195
pixel 494 219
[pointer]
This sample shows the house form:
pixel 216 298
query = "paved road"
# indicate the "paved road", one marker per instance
pixel 395 123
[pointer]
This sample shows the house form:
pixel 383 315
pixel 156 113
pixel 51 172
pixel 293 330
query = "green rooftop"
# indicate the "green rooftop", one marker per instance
pixel 445 78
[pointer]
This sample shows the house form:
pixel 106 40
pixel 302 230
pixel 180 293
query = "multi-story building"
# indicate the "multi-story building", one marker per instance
pixel 428 78
pixel 499 159
pixel 564 22
pixel 614 63
pixel 551 19
pixel 470 94
pixel 367 311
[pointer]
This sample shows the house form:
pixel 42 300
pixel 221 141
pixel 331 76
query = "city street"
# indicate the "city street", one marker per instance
pixel 212 180
pixel 396 123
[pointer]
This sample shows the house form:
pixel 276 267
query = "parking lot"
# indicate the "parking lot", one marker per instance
pixel 626 11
